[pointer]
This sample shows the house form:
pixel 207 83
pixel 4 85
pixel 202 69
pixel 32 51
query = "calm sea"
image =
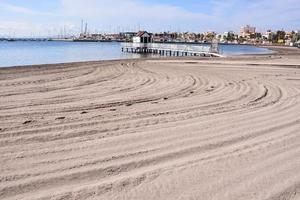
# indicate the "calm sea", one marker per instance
pixel 31 53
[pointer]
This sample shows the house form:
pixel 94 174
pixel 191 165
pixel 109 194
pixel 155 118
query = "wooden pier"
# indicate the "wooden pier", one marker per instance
pixel 172 49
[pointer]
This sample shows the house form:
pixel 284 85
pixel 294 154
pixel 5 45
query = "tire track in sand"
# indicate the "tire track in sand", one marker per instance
pixel 128 129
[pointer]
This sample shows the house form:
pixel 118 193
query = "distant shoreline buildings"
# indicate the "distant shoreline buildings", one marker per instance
pixel 247 35
pixel 247 31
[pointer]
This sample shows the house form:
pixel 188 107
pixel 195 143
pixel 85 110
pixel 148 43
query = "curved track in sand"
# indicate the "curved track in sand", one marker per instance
pixel 151 129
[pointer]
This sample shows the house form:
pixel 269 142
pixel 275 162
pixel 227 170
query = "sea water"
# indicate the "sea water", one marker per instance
pixel 19 53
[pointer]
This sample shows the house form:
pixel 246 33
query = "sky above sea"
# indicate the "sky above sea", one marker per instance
pixel 52 17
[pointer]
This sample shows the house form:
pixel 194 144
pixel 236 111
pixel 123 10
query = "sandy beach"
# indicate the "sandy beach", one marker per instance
pixel 211 129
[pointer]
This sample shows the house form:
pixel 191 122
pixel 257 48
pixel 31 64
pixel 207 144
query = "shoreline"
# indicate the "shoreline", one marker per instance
pixel 283 50
pixel 278 53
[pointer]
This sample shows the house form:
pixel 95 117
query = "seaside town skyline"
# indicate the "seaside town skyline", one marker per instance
pixel 63 17
pixel 247 35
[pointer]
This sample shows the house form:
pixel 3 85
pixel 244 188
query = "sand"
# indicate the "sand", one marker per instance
pixel 206 129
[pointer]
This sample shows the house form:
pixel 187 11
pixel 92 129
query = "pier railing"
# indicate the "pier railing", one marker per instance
pixel 181 47
pixel 135 45
pixel 170 47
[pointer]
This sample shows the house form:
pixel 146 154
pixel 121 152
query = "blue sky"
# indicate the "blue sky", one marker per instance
pixel 48 17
